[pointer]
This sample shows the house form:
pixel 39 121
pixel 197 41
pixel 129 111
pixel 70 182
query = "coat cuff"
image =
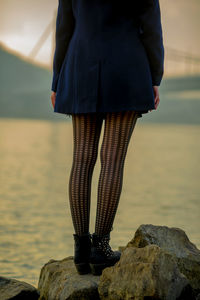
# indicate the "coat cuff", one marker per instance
pixel 156 80
pixel 54 83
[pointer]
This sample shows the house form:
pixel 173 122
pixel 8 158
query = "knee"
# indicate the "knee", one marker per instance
pixel 86 158
pixel 107 157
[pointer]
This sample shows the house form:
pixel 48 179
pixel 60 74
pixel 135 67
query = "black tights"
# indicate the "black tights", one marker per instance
pixel 86 130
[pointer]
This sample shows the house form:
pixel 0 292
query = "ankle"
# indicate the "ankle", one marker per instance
pixel 103 233
pixel 85 234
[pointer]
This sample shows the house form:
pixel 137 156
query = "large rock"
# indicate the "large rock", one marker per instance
pixel 158 263
pixel 18 290
pixel 144 272
pixel 60 280
pixel 174 241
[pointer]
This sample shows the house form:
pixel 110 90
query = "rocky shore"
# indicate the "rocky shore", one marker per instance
pixel 159 262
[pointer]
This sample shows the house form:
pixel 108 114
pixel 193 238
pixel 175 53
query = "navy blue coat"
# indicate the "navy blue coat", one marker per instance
pixel 108 56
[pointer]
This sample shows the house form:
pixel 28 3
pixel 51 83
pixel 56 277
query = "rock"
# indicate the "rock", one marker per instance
pixel 198 297
pixel 158 263
pixel 174 241
pixel 60 280
pixel 144 272
pixel 18 290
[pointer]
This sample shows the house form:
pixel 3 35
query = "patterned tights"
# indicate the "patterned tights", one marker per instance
pixel 86 132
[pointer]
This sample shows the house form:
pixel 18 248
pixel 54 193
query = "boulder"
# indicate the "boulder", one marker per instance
pixel 60 280
pixel 18 290
pixel 175 241
pixel 144 273
pixel 158 263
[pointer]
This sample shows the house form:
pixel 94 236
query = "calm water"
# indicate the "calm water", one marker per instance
pixel 160 187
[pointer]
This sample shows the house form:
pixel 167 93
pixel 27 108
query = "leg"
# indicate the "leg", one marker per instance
pixel 86 131
pixel 118 130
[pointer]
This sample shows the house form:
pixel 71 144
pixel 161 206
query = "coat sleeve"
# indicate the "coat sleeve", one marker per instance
pixel 65 23
pixel 152 39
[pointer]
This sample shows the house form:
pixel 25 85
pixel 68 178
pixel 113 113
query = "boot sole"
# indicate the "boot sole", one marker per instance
pixel 83 268
pixel 96 269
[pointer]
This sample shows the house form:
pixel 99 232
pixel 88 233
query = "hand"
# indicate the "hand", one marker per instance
pixel 53 98
pixel 156 96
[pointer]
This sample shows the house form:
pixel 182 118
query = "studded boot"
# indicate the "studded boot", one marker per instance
pixel 102 255
pixel 82 248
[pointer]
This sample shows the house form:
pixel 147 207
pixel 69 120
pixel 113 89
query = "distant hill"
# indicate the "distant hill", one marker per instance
pixel 25 91
pixel 179 101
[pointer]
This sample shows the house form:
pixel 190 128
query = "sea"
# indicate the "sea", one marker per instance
pixel 160 187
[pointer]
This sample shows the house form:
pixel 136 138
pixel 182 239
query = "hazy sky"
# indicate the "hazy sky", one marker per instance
pixel 23 21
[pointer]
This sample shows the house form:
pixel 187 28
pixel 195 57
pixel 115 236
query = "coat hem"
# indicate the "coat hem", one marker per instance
pixel 139 111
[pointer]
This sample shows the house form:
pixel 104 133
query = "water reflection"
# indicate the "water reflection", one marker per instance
pixel 160 187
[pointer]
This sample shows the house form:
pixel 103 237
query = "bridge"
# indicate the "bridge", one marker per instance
pixel 177 62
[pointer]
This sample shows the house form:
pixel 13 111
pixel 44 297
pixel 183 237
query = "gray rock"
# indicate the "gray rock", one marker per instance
pixel 60 280
pixel 17 290
pixel 175 241
pixel 144 272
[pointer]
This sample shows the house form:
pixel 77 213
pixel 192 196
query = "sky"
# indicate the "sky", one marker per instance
pixel 22 22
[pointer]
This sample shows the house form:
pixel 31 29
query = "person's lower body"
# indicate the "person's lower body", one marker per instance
pixel 86 133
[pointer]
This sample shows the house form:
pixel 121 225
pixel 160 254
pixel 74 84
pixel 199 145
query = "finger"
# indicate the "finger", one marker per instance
pixel 52 101
pixel 157 101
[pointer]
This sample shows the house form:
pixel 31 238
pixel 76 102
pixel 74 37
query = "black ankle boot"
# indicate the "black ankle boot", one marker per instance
pixel 82 247
pixel 102 255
